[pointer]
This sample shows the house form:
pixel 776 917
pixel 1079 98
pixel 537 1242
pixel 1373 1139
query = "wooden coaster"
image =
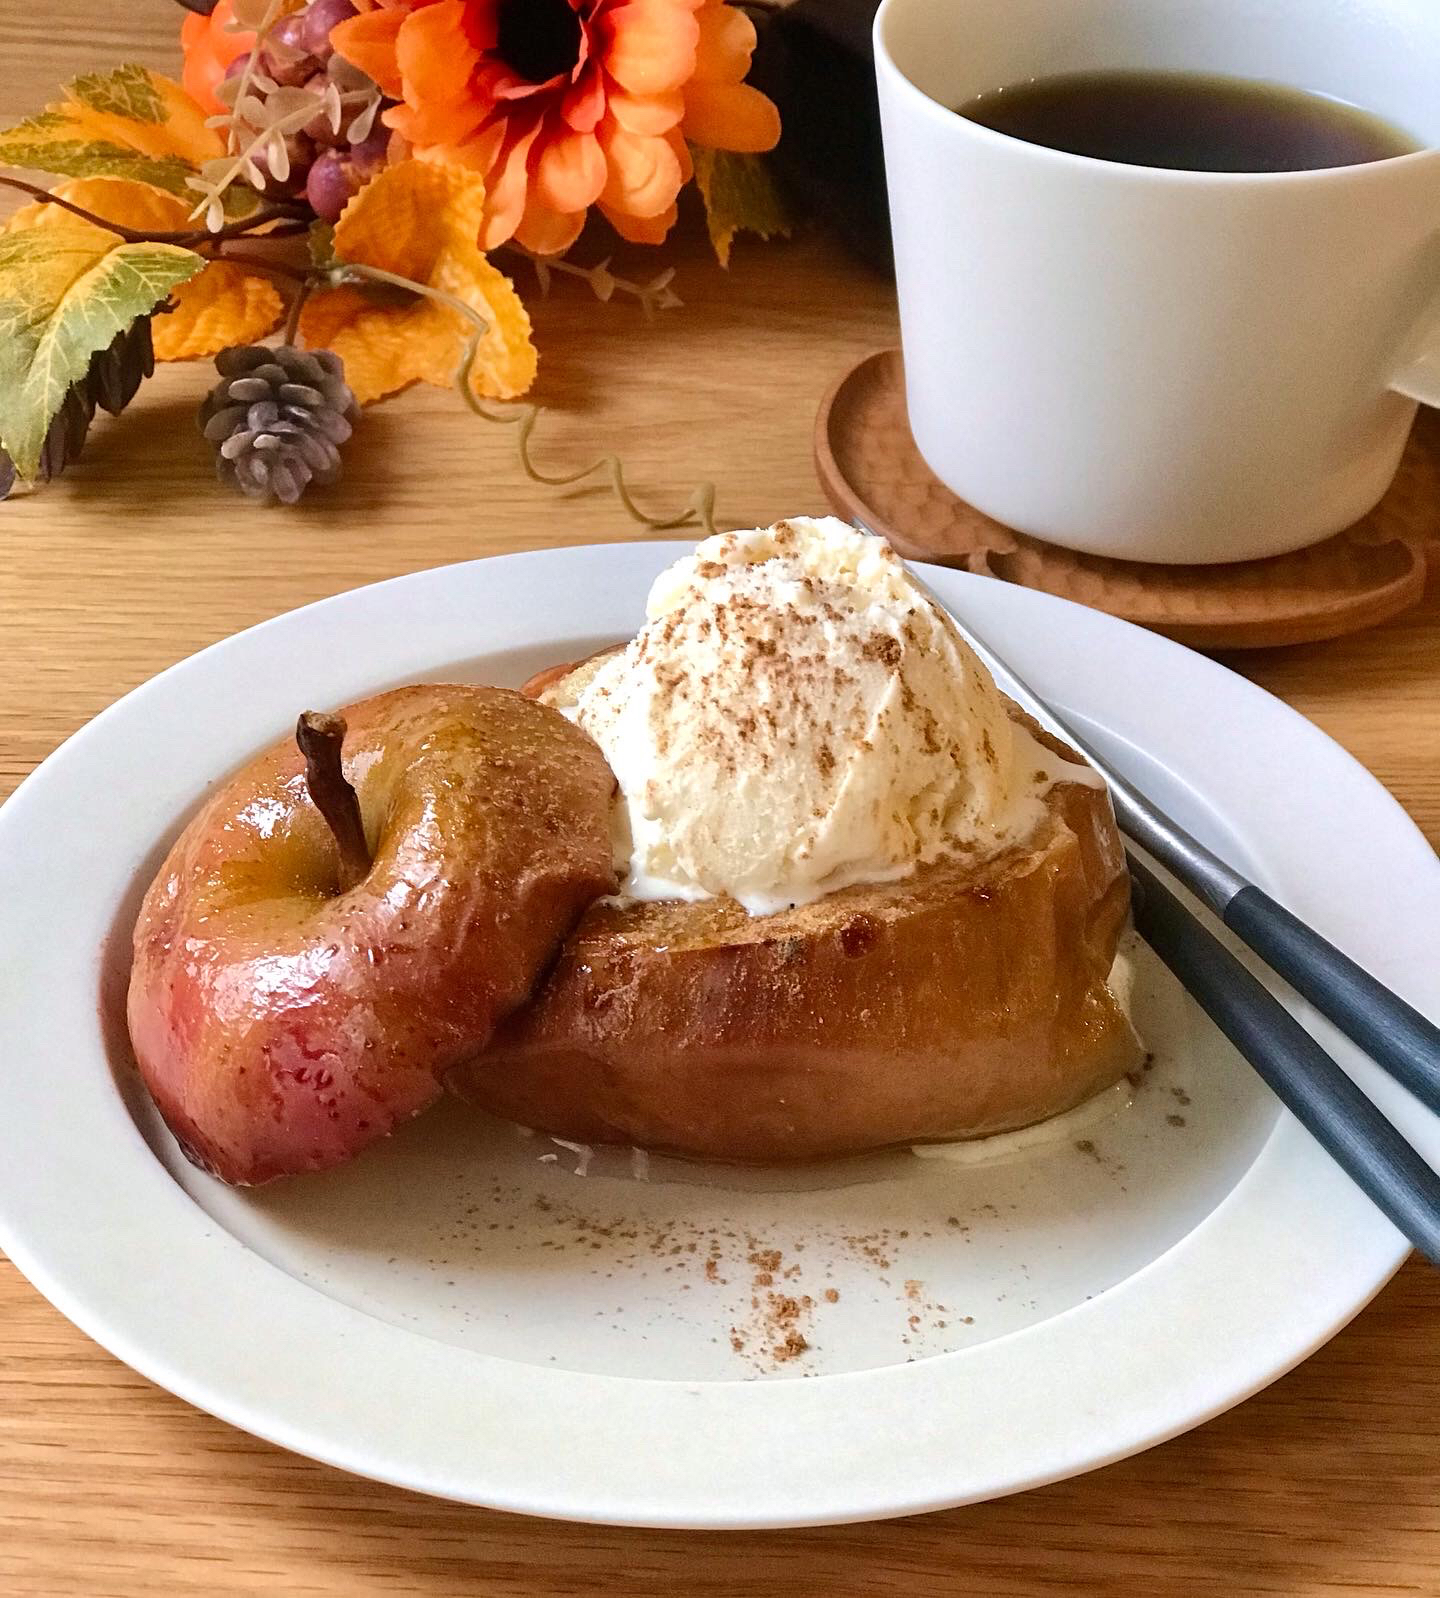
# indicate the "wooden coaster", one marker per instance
pixel 871 470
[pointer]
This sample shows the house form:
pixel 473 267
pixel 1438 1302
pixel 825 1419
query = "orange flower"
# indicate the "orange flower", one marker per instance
pixel 565 104
pixel 209 49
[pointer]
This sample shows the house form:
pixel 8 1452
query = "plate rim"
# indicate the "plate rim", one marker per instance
pixel 58 1236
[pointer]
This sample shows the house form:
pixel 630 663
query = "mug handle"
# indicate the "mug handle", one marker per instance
pixel 1421 379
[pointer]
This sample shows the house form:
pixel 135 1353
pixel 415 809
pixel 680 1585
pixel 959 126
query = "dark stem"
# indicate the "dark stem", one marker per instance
pixel 129 234
pixel 185 236
pixel 290 220
pixel 320 738
pixel 297 305
pixel 256 263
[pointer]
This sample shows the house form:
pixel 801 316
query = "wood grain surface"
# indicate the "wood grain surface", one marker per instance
pixel 1324 1484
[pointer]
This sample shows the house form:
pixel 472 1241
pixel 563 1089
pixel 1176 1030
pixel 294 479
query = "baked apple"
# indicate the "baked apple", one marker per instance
pixel 967 999
pixel 302 981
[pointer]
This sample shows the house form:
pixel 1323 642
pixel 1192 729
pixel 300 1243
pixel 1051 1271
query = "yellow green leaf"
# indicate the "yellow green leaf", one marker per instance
pixel 129 91
pixel 129 123
pixel 65 291
pixel 222 305
pixel 740 195
pixel 419 221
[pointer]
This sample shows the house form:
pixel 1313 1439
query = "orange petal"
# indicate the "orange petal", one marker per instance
pixel 193 31
pixel 478 152
pixel 570 172
pixel 584 102
pixel 506 186
pixel 644 172
pixel 448 126
pixel 547 232
pixel 648 46
pixel 368 42
pixel 647 113
pixel 727 41
pixel 434 52
pixel 730 116
pixel 641 229
pixel 482 23
pixel 400 118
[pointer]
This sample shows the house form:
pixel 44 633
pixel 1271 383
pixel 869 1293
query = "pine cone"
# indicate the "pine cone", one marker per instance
pixel 277 418
pixel 110 382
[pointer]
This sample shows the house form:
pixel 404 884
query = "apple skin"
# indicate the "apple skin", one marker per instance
pixel 280 1025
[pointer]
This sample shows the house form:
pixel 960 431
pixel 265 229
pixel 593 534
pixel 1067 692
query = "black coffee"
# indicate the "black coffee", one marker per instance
pixel 1190 121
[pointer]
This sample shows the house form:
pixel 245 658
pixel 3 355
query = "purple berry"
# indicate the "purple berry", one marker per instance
pixel 316 21
pixel 301 152
pixel 370 155
pixel 319 127
pixel 283 55
pixel 330 186
pixel 287 33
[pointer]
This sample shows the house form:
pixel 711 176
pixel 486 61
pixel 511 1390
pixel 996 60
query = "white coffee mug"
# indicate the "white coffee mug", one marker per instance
pixel 1162 365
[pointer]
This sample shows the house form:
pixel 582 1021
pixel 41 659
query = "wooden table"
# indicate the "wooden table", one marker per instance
pixel 1324 1484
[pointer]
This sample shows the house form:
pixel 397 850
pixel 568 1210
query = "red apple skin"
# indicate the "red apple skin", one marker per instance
pixel 280 1025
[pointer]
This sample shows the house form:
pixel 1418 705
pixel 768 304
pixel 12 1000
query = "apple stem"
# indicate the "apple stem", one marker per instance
pixel 320 737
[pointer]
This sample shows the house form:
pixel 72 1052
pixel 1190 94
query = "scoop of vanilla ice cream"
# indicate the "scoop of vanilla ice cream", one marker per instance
pixel 796 717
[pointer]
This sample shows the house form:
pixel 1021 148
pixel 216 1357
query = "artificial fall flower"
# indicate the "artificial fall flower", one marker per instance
pixel 565 104
pixel 210 46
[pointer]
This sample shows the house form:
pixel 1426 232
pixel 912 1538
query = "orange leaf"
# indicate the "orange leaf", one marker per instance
pixel 410 215
pixel 420 220
pixel 384 347
pixel 221 306
pixel 121 200
pixel 225 305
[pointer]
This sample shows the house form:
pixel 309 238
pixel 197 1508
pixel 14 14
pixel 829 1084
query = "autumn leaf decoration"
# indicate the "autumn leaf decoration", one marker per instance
pixel 341 172
pixel 398 292
pixel 404 252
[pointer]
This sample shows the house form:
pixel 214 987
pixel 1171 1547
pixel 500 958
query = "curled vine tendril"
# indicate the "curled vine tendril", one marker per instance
pixel 699 509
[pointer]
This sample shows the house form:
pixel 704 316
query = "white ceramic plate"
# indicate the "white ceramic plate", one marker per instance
pixel 461 1313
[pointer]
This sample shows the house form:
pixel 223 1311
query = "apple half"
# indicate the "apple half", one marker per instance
pixel 326 941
